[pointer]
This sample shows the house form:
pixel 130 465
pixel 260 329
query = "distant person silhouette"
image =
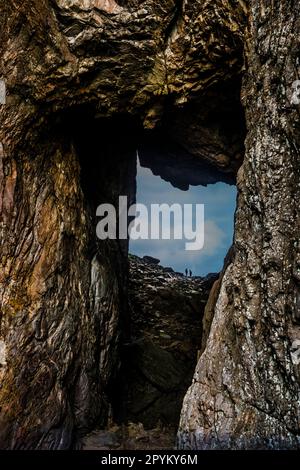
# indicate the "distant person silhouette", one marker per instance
pixel 186 272
pixel 191 273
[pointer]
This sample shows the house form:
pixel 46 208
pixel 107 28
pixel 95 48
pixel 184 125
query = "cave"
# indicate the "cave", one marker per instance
pixel 208 88
pixel 88 160
pixel 149 373
pixel 167 301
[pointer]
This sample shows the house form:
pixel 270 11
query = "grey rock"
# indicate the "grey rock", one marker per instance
pixel 151 260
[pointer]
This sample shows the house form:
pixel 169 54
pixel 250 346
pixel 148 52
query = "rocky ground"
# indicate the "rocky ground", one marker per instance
pixel 159 358
pixel 131 437
pixel 165 304
pixel 166 327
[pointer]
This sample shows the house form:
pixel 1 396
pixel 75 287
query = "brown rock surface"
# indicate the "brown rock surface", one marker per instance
pixel 245 392
pixel 166 311
pixel 62 293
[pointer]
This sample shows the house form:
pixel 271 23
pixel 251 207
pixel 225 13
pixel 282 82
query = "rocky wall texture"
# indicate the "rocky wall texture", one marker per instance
pixel 160 355
pixel 245 392
pixel 61 292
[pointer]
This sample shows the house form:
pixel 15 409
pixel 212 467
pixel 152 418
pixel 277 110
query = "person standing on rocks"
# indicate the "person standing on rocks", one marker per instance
pixel 186 272
pixel 191 273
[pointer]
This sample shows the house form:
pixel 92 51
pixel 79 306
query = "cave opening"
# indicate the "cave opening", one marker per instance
pixel 156 331
pixel 218 200
pixel 166 306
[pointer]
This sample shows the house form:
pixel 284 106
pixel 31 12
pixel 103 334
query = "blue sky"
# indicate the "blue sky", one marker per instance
pixel 219 205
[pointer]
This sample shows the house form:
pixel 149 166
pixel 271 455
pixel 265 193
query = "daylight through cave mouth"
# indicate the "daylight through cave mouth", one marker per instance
pixel 217 200
pixel 169 286
pixel 160 308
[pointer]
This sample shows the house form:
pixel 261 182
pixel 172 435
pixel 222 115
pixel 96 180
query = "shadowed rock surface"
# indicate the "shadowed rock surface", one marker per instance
pixel 166 311
pixel 67 64
pixel 159 358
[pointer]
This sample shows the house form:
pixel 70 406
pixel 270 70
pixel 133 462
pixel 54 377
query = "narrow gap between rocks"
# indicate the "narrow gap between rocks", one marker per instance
pixel 166 304
pixel 159 316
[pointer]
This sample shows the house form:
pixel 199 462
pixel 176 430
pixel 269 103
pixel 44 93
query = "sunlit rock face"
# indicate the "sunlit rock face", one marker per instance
pixel 245 392
pixel 107 6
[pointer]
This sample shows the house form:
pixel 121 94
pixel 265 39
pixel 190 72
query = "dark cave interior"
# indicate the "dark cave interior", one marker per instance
pixel 160 328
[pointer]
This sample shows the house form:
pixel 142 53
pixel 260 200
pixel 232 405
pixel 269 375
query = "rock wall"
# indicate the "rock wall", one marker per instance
pixel 245 392
pixel 62 293
pixel 160 354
